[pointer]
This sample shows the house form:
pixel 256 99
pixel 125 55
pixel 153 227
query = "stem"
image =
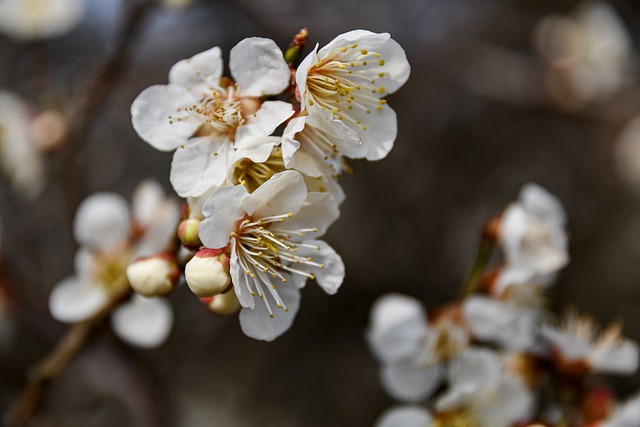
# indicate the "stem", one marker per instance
pixel 483 256
pixel 40 376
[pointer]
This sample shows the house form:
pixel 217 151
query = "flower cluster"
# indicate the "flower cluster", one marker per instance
pixel 491 354
pixel 258 200
pixel 111 235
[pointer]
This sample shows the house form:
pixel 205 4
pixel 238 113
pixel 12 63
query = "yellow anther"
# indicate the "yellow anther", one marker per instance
pixel 382 89
pixel 283 281
pixel 253 294
pixel 344 49
pixel 342 66
pixel 271 315
pixel 364 62
pixel 377 55
pixel 321 265
pixel 259 222
pixel 315 229
pixel 310 102
pixel 311 276
pixel 301 234
pixel 364 51
pixel 381 74
pixel 368 111
pixel 364 128
pixel 381 62
pixel 383 101
pixel 318 247
pixel 352 64
pixel 355 45
pixel 289 214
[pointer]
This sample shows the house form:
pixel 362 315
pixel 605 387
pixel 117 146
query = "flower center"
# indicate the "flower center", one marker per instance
pixel 345 83
pixel 267 254
pixel 110 270
pixel 253 175
pixel 220 112
pixel 455 419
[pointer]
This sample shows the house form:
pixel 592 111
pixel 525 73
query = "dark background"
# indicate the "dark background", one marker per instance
pixel 410 223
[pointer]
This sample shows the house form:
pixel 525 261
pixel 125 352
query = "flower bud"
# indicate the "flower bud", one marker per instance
pixel 153 276
pixel 223 304
pixel 188 233
pixel 207 273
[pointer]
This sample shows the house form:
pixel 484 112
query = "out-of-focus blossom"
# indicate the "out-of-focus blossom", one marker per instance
pixel 223 304
pixel 345 83
pixel 532 232
pixel 20 159
pixel 578 349
pixel 589 54
pixel 177 4
pixel 626 414
pixel 205 117
pixel 111 236
pixel 153 276
pixel 39 19
pixel 411 348
pixel 405 416
pixel 270 234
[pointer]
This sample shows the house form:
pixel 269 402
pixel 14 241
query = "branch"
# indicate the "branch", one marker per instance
pixel 39 377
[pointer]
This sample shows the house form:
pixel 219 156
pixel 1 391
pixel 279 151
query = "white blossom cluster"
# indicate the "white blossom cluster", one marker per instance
pixel 483 360
pixel 257 156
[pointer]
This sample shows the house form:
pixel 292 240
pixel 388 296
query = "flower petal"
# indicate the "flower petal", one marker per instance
pixel 410 383
pixel 318 211
pixel 542 205
pixel 239 279
pixel 405 416
pixel 284 192
pixel 150 114
pixel 397 327
pixel 73 301
pixel 196 167
pixel 200 74
pixel 331 276
pixel 222 212
pixel 302 72
pixel 257 151
pixel 270 115
pixel 258 324
pixel 143 322
pixel 257 65
pixel 102 220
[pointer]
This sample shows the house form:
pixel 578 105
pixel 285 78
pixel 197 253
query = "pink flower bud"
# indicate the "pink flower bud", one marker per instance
pixel 207 273
pixel 188 233
pixel 156 275
pixel 223 304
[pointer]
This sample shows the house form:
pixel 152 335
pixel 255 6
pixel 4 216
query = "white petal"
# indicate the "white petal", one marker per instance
pixel 284 192
pixel 147 198
pixel 302 73
pixel 143 322
pixel 222 212
pixel 257 65
pixel 49 18
pixel 257 324
pixel 72 301
pixel 150 115
pixel 542 205
pixel 257 151
pixel 270 115
pixel 200 74
pixel 239 279
pixel 410 383
pixel 397 327
pixel 405 416
pixel 625 415
pixel 622 359
pixel 196 168
pixel 319 210
pixel 102 220
pixel 381 132
pixel 331 276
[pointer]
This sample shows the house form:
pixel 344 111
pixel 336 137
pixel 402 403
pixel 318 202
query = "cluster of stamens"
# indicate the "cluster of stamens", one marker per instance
pixel 344 81
pixel 252 175
pixel 265 255
pixel 220 111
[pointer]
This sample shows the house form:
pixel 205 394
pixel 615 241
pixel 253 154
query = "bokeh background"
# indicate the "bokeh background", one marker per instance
pixel 477 120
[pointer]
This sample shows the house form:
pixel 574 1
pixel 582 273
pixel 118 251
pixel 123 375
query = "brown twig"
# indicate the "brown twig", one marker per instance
pixel 39 377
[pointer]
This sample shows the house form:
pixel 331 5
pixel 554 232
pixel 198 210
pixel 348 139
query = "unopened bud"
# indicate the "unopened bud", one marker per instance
pixel 207 273
pixel 223 304
pixel 49 130
pixel 153 276
pixel 188 233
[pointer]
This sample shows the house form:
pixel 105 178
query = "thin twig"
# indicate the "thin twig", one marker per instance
pixel 39 377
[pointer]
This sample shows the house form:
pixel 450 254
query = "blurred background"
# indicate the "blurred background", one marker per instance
pixel 501 93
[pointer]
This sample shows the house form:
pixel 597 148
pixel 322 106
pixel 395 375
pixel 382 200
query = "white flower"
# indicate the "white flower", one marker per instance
pixel 482 394
pixel 627 152
pixel 409 347
pixel 590 53
pixel 39 19
pixel 532 233
pixel 345 81
pixel 205 117
pixel 273 253
pixel 20 160
pixel 578 349
pixel 108 244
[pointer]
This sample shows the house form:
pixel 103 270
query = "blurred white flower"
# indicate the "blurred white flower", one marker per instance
pixel 532 233
pixel 626 414
pixel 110 237
pixel 405 416
pixel 40 19
pixel 20 159
pixel 578 348
pixel 269 233
pixel 344 83
pixel 589 54
pixel 409 347
pixel 205 117
pixel 627 152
